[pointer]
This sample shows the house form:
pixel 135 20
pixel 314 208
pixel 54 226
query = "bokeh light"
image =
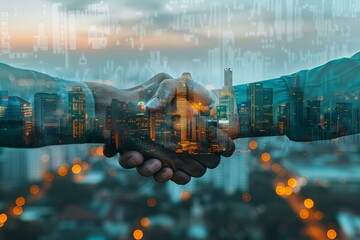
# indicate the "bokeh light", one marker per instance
pixel 308 203
pixel 331 234
pixel 138 234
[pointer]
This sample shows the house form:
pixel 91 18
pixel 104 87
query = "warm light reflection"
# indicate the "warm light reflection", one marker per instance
pixel 34 189
pixel 138 234
pixel 145 222
pixel 265 157
pixel 20 201
pixel 1 224
pixel 49 177
pixel 100 151
pixel 276 167
pixel 76 169
pixel 3 218
pixel 185 195
pixel 280 190
pixel 151 202
pixel 253 145
pixel 308 203
pixel 304 214
pixel 292 182
pixel 63 171
pixel 17 210
pixel 246 197
pixel 331 234
pixel 288 191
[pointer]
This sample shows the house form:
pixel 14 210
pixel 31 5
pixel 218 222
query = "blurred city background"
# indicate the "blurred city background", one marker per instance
pixel 270 188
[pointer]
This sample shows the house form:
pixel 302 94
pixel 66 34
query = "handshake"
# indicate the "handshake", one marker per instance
pixel 171 129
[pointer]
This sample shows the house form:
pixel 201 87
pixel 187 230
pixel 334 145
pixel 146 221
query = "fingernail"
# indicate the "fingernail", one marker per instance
pixel 132 161
pixel 154 166
pixel 153 103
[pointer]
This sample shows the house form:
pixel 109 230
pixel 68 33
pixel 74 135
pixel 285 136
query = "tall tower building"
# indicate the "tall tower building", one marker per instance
pixel 297 123
pixel 77 112
pixel 182 106
pixel 46 113
pixel 18 120
pixel 257 106
pixel 228 102
pixel 268 110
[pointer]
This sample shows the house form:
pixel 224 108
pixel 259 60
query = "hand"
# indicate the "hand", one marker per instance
pixel 163 163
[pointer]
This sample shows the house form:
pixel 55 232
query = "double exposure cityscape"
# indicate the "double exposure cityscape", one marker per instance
pixel 286 79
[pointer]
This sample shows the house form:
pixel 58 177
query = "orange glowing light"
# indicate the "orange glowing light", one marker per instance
pixel 20 201
pixel 331 234
pixel 93 151
pixel 246 197
pixel 3 218
pixel 1 224
pixel 253 145
pixel 265 157
pixel 288 191
pixel 145 222
pixel 304 214
pixel 17 210
pixel 185 195
pixel 308 203
pixel 138 234
pixel 276 167
pixel 49 177
pixel 280 190
pixel 62 171
pixel 34 189
pixel 151 202
pixel 292 182
pixel 100 151
pixel 76 169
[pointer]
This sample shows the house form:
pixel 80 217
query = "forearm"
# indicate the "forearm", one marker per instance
pixel 316 104
pixel 38 110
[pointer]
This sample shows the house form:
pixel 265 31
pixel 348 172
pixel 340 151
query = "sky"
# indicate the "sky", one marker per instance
pixel 136 39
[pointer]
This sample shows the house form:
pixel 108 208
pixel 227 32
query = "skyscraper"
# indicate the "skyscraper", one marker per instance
pixel 268 110
pixel 257 107
pixel 46 113
pixel 312 119
pixel 342 118
pixel 297 123
pixel 18 124
pixel 182 106
pixel 77 112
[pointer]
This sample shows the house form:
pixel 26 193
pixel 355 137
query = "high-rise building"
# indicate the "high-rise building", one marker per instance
pixel 313 108
pixel 342 118
pixel 182 106
pixel 283 119
pixel 268 111
pixel 297 120
pixel 17 121
pixel 77 112
pixel 257 107
pixel 244 115
pixel 228 101
pixel 47 113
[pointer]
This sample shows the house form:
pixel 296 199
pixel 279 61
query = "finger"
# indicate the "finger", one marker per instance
pixel 131 159
pixel 109 151
pixel 149 167
pixel 181 178
pixel 199 96
pixel 208 160
pixel 164 175
pixel 226 146
pixel 163 96
pixel 190 166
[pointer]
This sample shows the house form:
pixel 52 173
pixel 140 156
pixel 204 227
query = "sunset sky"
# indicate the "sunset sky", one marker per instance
pixel 258 39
